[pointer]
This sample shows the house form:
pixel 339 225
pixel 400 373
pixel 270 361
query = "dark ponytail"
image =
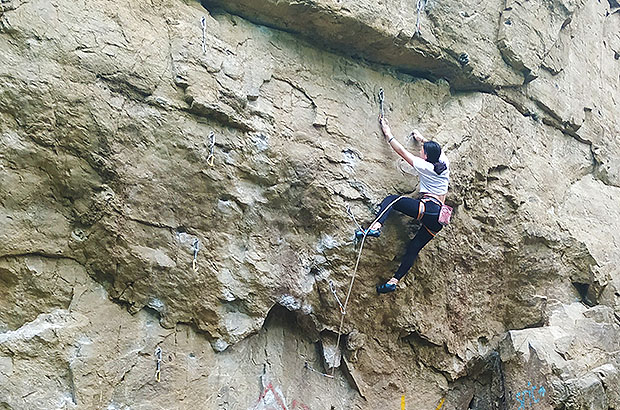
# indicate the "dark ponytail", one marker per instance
pixel 433 151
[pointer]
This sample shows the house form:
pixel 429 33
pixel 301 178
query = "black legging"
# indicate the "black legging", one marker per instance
pixel 410 207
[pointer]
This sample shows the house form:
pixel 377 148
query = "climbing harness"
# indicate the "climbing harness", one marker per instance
pixel 422 205
pixel 203 22
pixel 333 289
pixel 307 366
pixel 158 369
pixel 381 98
pixel 211 155
pixel 445 211
pixel 196 248
pixel 357 262
pixel 420 8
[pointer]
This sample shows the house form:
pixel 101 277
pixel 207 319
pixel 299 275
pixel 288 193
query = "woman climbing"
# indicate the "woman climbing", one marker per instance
pixel 432 167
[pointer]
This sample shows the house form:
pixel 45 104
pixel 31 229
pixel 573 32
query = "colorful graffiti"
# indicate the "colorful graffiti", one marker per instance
pixel 301 406
pixel 528 397
pixel 271 399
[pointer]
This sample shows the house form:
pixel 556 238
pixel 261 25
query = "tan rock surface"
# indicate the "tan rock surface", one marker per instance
pixel 105 185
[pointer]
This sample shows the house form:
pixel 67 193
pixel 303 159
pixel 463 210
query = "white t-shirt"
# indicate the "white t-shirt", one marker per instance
pixel 430 182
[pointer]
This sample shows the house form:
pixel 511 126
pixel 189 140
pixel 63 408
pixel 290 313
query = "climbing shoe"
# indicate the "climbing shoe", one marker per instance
pixel 359 234
pixel 386 288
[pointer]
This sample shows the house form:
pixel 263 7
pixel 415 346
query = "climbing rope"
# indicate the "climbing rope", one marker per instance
pixel 203 22
pixel 331 287
pixel 420 8
pixel 357 262
pixel 353 217
pixel 211 155
pixel 158 369
pixel 307 366
pixel 343 307
pixel 196 248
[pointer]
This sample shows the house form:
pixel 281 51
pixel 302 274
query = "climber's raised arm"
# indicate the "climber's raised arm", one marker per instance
pixel 396 146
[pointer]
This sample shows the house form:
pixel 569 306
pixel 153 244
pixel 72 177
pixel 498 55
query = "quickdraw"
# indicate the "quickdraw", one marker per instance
pixel 420 8
pixel 350 213
pixel 211 155
pixel 333 289
pixel 158 368
pixel 203 22
pixel 307 366
pixel 381 98
pixel 196 248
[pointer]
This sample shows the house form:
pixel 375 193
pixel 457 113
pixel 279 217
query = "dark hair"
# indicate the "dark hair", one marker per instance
pixel 433 151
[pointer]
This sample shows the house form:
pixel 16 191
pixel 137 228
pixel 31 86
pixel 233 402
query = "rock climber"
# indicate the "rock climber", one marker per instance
pixel 433 168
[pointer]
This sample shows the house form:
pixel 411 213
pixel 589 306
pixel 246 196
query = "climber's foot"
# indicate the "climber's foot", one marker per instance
pixel 359 234
pixel 389 286
pixel 386 288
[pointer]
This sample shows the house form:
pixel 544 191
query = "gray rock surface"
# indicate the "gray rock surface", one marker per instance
pixel 106 184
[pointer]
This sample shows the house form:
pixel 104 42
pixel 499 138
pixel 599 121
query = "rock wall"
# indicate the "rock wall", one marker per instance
pixel 124 231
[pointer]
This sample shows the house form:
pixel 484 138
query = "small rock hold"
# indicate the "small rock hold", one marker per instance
pixel 355 340
pixel 290 302
pixel 331 354
pixel 78 235
pixel 326 242
pixel 156 304
pixel 220 345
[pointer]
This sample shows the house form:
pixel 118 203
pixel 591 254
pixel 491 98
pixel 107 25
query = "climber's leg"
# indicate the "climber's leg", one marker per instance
pixel 421 238
pixel 407 206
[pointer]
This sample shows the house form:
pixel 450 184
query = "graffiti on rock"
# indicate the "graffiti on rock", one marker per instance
pixel 298 405
pixel 529 397
pixel 271 399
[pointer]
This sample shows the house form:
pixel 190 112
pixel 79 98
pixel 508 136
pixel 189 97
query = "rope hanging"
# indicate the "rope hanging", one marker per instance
pixel 357 262
pixel 353 217
pixel 307 366
pixel 343 307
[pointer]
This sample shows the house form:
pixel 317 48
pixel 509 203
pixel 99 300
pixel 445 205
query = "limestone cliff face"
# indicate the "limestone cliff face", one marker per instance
pixel 110 186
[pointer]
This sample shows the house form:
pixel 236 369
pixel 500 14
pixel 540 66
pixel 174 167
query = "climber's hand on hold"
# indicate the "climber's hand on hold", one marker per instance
pixel 385 127
pixel 418 137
